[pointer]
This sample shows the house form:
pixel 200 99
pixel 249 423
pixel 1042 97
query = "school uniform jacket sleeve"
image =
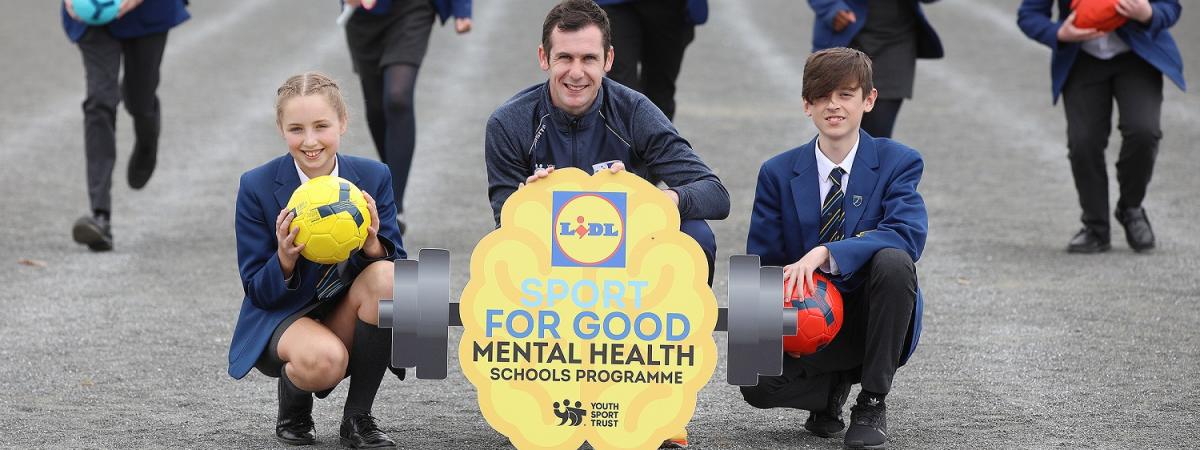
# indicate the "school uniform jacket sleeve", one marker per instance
pixel 258 262
pixel 766 237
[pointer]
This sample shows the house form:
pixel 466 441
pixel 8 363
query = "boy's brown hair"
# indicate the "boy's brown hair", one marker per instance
pixel 573 15
pixel 830 69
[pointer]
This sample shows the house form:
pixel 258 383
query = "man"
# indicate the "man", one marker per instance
pixel 1090 69
pixel 577 118
pixel 847 204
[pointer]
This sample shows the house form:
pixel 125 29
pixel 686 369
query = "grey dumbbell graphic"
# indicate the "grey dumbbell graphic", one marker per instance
pixel 756 319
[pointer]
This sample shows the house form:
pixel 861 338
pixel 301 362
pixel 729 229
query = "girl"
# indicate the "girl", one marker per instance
pixel 387 40
pixel 311 325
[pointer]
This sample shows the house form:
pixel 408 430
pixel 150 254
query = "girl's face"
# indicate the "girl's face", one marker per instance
pixel 313 131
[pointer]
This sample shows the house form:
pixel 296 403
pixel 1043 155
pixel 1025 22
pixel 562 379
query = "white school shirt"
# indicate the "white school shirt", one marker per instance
pixel 824 167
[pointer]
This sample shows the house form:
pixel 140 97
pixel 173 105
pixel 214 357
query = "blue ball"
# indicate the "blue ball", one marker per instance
pixel 96 12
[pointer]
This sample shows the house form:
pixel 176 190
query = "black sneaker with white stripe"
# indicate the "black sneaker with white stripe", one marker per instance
pixel 868 424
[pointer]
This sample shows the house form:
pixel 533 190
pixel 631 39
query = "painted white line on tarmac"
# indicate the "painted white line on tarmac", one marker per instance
pixel 782 67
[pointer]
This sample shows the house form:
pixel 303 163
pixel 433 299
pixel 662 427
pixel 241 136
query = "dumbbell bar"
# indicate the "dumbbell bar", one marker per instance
pixel 419 335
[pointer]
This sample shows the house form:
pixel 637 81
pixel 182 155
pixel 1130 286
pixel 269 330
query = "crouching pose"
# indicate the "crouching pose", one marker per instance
pixel 312 325
pixel 847 204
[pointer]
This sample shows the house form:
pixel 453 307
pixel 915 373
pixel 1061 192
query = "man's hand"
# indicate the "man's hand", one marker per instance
pixel 462 24
pixel 1068 32
pixel 1138 10
pixel 674 196
pixel 372 248
pixel 288 251
pixel 126 6
pixel 537 175
pixel 843 19
pixel 802 271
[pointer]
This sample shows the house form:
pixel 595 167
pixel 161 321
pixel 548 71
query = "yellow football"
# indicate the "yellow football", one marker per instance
pixel 332 216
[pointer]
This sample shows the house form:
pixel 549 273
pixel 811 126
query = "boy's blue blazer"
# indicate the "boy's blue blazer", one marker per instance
pixel 1151 42
pixel 150 17
pixel 883 210
pixel 928 44
pixel 262 193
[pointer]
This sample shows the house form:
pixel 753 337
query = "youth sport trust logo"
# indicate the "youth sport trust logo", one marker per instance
pixel 588 229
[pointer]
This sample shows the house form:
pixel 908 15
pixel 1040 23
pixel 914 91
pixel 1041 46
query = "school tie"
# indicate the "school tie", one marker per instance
pixel 832 212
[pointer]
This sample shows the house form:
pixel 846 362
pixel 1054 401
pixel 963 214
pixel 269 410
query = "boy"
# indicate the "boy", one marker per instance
pixel 845 203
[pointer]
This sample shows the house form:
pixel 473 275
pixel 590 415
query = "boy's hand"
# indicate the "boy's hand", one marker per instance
pixel 802 271
pixel 288 251
pixel 372 248
pixel 1138 10
pixel 126 6
pixel 71 10
pixel 462 24
pixel 843 19
pixel 1068 32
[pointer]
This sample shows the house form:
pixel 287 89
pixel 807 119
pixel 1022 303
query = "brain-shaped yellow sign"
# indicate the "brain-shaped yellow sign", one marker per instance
pixel 588 316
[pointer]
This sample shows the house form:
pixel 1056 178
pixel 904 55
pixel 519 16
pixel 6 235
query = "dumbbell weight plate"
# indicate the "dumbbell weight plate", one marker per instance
pixel 433 304
pixel 404 314
pixel 742 336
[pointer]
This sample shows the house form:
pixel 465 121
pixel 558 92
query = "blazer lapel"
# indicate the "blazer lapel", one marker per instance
pixel 863 178
pixel 347 171
pixel 286 180
pixel 806 194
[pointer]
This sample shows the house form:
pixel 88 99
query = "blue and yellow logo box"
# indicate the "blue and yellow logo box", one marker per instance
pixel 588 229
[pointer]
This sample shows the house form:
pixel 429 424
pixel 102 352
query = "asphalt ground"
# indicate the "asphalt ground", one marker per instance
pixel 1025 346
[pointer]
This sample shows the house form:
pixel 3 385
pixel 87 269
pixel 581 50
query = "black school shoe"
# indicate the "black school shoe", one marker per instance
pixel 141 165
pixel 1138 233
pixel 829 422
pixel 1088 240
pixel 295 423
pixel 868 424
pixel 93 231
pixel 361 431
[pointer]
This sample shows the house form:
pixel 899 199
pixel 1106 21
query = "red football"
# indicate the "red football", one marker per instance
pixel 818 317
pixel 1099 14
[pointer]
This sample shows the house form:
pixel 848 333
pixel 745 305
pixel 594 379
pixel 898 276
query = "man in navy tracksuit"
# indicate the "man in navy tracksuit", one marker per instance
pixel 580 119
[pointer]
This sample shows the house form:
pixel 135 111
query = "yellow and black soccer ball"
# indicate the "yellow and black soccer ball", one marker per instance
pixel 332 216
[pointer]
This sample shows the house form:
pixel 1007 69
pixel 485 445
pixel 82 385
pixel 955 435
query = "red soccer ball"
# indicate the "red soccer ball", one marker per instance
pixel 1099 14
pixel 818 317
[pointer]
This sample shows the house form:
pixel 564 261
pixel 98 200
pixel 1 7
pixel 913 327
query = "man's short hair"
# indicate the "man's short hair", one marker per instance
pixel 830 69
pixel 573 15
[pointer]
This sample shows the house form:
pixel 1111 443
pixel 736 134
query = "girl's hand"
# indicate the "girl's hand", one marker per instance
pixel 288 251
pixel 372 248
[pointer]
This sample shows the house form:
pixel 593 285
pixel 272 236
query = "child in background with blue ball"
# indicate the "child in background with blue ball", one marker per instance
pixel 138 36
pixel 309 324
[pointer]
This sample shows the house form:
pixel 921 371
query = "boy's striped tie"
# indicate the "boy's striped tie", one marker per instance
pixel 832 212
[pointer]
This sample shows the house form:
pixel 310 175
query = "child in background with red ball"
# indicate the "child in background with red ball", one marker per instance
pixel 1091 68
pixel 309 324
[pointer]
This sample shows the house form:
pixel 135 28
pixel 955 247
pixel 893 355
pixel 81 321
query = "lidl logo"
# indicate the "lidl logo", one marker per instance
pixel 588 229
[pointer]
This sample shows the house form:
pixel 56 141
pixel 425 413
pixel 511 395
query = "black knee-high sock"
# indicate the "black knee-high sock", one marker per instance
pixel 369 355
pixel 292 399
